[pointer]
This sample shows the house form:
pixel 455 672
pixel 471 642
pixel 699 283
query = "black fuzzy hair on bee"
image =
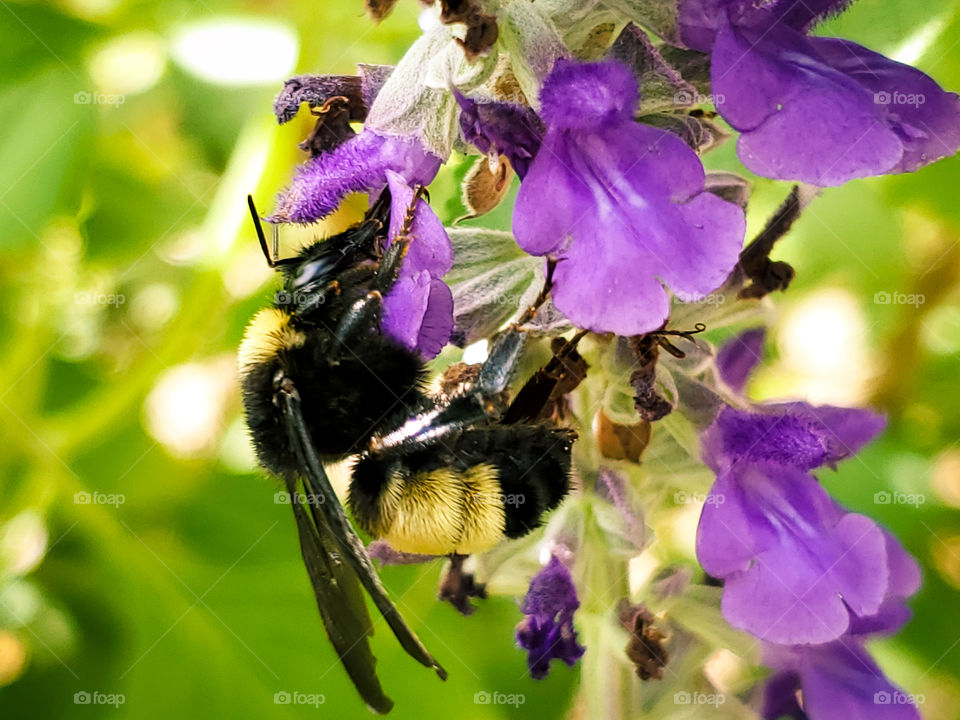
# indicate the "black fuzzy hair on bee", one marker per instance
pixel 323 330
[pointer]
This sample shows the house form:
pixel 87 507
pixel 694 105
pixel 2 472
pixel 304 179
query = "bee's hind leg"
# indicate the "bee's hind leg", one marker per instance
pixel 457 586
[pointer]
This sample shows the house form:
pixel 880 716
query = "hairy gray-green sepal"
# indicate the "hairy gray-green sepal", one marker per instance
pixel 409 103
pixel 661 85
pixel 492 281
pixel 657 16
pixel 534 44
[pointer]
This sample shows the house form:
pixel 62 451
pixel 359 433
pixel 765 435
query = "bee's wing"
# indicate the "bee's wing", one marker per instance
pixel 327 514
pixel 341 604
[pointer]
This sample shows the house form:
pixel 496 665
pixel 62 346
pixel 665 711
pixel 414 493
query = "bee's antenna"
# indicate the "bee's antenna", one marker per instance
pixel 263 238
pixel 276 245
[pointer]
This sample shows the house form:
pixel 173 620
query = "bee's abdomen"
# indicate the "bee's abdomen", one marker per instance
pixel 465 494
pixel 436 512
pixel 533 467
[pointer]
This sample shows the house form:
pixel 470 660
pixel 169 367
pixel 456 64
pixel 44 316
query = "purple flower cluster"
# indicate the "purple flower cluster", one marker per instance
pixel 803 574
pixel 816 109
pixel 622 206
pixel 547 633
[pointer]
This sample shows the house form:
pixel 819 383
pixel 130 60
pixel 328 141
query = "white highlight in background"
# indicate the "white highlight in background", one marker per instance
pixel 237 51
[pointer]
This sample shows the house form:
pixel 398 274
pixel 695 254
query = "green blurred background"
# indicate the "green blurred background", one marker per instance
pixel 142 554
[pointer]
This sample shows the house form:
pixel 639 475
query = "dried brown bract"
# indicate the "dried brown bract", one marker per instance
pixel 646 648
pixel 379 9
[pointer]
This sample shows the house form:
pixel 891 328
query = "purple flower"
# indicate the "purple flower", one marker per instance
pixel 793 434
pixel 797 567
pixel 835 680
pixel 547 631
pixel 820 110
pixel 739 356
pixel 621 205
pixel 839 678
pixel 358 165
pixel 501 128
pixel 418 310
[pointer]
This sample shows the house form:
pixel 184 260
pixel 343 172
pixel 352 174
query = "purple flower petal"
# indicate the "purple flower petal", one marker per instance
pixel 547 631
pixel 430 247
pixel 597 168
pixel 794 563
pixel 905 577
pixel 803 15
pixel 437 323
pixel 358 165
pixel 597 286
pixel 732 529
pixel 418 313
pixel 588 96
pixel 551 591
pixel 780 697
pixel 418 310
pixel 405 306
pixel 842 431
pixel 836 680
pixel 501 128
pixel 738 357
pixel 698 20
pixel 904 581
pixel 795 435
pixel 925 118
pixel 812 109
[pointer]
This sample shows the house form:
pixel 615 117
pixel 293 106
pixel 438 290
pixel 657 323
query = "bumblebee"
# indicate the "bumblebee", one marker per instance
pixel 440 475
